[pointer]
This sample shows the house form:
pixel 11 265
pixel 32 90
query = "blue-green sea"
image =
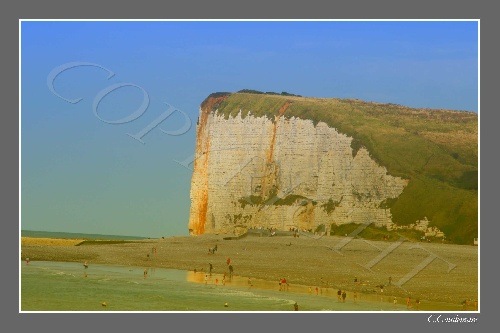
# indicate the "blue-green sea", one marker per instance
pixel 75 235
pixel 63 286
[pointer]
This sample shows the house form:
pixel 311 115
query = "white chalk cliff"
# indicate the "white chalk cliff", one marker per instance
pixel 283 173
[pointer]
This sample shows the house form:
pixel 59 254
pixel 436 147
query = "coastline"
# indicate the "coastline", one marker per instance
pixel 43 241
pixel 304 262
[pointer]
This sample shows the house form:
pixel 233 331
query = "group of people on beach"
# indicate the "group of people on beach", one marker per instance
pixel 211 268
pixel 223 281
pixel 409 303
pixel 343 295
pixel 283 284
pixel 212 250
pixel 467 304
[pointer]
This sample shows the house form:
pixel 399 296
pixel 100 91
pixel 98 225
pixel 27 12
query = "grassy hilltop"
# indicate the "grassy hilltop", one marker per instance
pixel 437 150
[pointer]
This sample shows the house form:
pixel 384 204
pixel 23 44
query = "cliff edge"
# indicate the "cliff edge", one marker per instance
pixel 289 162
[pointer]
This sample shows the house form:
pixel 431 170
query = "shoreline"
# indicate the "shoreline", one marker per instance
pixel 303 262
pixel 241 283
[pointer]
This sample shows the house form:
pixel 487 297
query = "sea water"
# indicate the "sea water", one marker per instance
pixel 63 286
pixel 74 235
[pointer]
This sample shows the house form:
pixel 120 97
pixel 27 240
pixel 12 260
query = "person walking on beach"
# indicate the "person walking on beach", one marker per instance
pixel 206 278
pixel 145 272
pixel 230 271
pixel 344 295
pixel 296 307
pixel 316 291
pixel 228 261
pixel 85 265
pixel 284 284
pixel 210 269
pixel 339 295
pixel 355 296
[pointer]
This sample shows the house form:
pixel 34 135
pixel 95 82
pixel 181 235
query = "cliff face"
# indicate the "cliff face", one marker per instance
pixel 282 172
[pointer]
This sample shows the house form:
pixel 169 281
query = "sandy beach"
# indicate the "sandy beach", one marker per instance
pixel 432 272
pixel 28 241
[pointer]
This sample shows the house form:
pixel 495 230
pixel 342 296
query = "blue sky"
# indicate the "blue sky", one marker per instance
pixel 82 170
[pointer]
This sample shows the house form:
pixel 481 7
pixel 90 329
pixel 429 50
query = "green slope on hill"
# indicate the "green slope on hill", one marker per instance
pixel 437 150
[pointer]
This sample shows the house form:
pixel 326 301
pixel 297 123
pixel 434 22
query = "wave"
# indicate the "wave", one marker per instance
pixel 62 273
pixel 253 295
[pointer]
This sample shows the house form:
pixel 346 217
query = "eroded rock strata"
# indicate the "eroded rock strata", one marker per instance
pixel 252 172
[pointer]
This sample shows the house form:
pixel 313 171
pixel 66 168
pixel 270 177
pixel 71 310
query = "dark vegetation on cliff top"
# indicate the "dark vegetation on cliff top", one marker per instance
pixel 436 150
pixel 250 91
